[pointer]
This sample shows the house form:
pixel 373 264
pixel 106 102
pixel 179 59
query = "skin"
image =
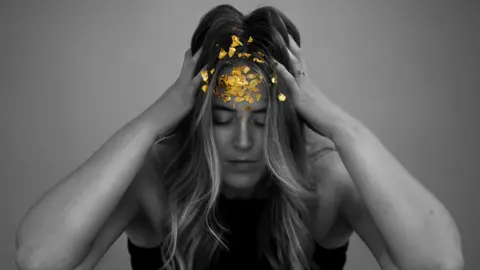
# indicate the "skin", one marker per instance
pixel 348 182
pixel 363 188
pixel 239 133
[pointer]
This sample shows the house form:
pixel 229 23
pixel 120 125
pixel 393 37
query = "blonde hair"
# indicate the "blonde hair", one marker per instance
pixel 192 178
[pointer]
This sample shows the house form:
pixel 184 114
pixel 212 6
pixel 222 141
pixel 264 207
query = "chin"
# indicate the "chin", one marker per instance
pixel 241 181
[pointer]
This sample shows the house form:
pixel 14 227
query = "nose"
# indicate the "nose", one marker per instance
pixel 243 139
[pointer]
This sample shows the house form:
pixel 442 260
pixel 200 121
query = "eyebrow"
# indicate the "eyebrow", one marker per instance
pixel 230 109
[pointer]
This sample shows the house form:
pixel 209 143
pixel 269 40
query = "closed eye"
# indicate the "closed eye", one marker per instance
pixel 221 122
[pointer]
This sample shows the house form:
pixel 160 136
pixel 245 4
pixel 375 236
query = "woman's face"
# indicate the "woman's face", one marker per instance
pixel 238 129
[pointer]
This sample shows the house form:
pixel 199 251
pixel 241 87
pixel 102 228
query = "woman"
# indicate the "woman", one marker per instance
pixel 234 179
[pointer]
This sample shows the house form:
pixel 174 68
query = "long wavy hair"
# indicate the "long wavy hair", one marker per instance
pixel 192 177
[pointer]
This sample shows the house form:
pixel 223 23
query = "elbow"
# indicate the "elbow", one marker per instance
pixel 452 264
pixel 24 260
pixel 27 260
pixel 457 264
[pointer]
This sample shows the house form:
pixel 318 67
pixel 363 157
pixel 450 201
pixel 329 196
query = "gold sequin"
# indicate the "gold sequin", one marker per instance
pixel 250 40
pixel 239 85
pixel 274 80
pixel 204 88
pixel 244 55
pixel 212 70
pixel 222 53
pixel 255 59
pixel 231 51
pixel 282 97
pixel 204 75
pixel 236 41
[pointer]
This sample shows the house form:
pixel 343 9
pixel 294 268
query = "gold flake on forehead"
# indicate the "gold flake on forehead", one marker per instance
pixel 240 85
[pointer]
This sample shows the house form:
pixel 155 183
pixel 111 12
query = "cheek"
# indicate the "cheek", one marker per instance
pixel 222 137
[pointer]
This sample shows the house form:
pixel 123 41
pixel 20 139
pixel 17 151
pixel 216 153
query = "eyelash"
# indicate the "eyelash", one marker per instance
pixel 223 123
pixel 220 123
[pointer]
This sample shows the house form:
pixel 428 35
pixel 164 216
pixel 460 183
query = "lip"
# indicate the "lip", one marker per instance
pixel 243 161
pixel 242 165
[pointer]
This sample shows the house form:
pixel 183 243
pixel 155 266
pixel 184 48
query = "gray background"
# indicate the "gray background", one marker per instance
pixel 72 73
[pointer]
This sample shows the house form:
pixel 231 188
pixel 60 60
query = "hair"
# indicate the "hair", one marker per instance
pixel 192 178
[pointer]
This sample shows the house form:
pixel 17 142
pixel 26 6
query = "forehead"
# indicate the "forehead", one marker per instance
pixel 241 88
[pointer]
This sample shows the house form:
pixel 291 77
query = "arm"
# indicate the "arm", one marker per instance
pixel 417 229
pixel 60 229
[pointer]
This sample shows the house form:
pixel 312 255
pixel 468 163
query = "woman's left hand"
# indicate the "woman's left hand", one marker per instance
pixel 321 115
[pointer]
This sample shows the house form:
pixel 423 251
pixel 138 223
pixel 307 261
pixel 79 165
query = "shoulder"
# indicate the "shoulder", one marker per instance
pixel 148 184
pixel 334 183
pixel 324 161
pixel 329 227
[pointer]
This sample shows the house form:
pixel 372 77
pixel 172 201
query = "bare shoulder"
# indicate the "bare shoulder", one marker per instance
pixel 329 227
pixel 146 230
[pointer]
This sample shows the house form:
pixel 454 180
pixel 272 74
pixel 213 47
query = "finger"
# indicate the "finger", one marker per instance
pixel 190 61
pixel 197 55
pixel 286 76
pixel 198 78
pixel 294 52
pixel 295 62
pixel 295 48
pixel 186 58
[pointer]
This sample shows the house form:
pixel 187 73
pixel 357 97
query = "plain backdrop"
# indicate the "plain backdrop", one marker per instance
pixel 74 72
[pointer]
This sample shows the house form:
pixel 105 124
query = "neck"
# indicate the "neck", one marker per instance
pixel 259 191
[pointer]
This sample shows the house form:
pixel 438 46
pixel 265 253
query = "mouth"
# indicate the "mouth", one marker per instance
pixel 241 161
pixel 243 165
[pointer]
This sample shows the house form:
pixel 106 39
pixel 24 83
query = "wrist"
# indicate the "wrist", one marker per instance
pixel 163 116
pixel 347 131
pixel 328 118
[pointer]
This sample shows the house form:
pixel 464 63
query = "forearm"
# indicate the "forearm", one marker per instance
pixel 70 214
pixel 414 224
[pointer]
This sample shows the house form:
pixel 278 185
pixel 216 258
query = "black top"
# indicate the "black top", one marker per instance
pixel 241 219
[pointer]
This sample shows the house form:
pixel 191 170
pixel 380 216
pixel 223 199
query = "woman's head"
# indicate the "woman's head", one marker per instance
pixel 238 125
pixel 257 39
pixel 240 134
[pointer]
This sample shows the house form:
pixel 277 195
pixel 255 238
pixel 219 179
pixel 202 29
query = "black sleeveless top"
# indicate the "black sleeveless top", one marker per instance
pixel 241 218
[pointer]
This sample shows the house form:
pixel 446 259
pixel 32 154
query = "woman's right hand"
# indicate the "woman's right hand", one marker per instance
pixel 178 99
pixel 184 88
